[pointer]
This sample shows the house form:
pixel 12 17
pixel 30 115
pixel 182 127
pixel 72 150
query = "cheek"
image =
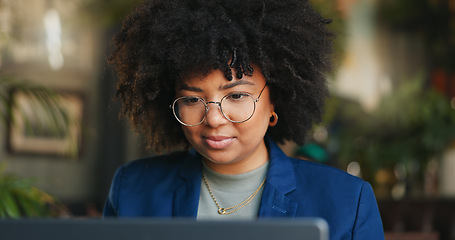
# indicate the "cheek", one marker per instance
pixel 259 122
pixel 266 112
pixel 189 133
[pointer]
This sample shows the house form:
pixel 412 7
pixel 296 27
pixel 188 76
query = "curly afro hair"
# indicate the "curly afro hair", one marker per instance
pixel 163 41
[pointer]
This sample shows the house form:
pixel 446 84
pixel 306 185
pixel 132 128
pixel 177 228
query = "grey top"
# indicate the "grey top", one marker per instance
pixel 230 190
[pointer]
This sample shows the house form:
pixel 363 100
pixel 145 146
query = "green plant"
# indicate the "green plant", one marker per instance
pixel 19 198
pixel 410 127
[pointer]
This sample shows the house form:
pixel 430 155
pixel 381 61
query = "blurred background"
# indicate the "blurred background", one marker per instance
pixel 390 119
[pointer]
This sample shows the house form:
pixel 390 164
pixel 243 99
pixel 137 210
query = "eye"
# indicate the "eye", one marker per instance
pixel 190 100
pixel 238 96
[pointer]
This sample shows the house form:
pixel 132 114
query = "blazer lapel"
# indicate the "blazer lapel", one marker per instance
pixel 280 182
pixel 275 204
pixel 186 195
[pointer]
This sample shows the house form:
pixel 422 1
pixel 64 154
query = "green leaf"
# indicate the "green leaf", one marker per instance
pixel 8 204
pixel 2 212
pixel 19 198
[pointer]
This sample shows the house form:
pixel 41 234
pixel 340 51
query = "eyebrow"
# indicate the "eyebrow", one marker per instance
pixel 236 83
pixel 184 86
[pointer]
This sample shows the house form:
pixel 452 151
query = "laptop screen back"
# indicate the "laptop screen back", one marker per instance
pixel 159 229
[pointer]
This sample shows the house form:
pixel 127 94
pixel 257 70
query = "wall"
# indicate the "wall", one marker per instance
pixel 64 52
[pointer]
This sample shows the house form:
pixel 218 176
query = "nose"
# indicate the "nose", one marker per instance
pixel 214 117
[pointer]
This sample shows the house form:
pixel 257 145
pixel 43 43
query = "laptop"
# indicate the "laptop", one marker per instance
pixel 160 229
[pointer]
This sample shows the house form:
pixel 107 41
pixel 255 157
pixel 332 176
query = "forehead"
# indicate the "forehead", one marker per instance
pixel 201 85
pixel 217 78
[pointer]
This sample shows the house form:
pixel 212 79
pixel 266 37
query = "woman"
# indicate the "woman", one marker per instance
pixel 227 79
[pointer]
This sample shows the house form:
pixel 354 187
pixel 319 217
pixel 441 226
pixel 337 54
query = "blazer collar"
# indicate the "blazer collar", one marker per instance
pixel 186 195
pixel 281 173
pixel 280 182
pixel 191 166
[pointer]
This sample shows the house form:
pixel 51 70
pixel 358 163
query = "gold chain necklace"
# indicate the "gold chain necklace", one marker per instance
pixel 225 211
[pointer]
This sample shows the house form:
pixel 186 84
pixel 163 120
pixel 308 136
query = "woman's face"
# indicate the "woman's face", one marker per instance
pixel 228 147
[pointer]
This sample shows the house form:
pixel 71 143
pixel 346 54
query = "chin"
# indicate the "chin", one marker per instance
pixel 219 158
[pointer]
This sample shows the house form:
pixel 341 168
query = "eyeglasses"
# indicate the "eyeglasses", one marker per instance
pixel 237 107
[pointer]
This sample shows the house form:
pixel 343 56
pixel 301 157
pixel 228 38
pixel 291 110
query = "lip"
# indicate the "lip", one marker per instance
pixel 218 142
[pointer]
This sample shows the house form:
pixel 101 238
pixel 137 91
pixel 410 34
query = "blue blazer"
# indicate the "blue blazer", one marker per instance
pixel 169 186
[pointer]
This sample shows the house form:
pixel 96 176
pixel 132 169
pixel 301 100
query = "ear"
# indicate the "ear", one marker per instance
pixel 273 119
pixel 273 116
pixel 272 105
pixel 272 110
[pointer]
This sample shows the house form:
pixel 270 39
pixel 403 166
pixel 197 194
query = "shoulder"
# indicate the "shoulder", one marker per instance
pixel 328 181
pixel 309 176
pixel 345 201
pixel 146 186
pixel 341 198
pixel 323 172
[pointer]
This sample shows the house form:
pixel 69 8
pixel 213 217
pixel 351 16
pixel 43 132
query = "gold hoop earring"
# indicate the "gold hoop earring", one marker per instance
pixel 273 119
